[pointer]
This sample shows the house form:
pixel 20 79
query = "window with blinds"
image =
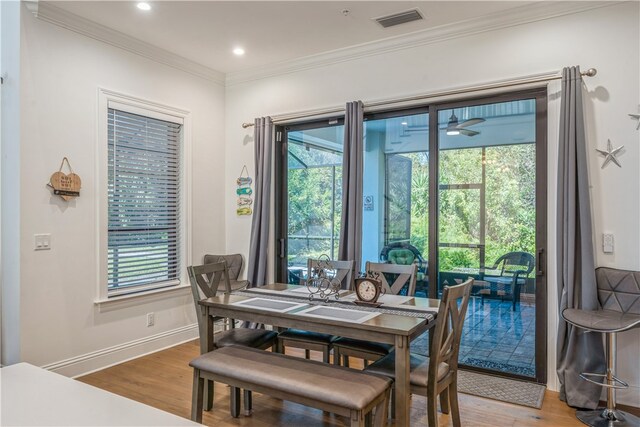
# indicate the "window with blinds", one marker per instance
pixel 143 202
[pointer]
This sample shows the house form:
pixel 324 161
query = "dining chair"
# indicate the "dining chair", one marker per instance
pixel 403 276
pixel 314 341
pixel 437 375
pixel 235 262
pixel 205 281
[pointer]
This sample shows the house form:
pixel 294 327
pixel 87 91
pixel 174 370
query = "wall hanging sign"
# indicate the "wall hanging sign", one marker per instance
pixel 368 203
pixel 65 185
pixel 244 193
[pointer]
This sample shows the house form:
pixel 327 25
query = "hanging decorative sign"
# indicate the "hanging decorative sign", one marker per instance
pixel 65 185
pixel 244 193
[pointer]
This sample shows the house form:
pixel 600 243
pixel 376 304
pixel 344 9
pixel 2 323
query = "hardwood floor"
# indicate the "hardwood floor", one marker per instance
pixel 163 380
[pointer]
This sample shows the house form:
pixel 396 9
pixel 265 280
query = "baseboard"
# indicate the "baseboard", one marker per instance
pixel 101 359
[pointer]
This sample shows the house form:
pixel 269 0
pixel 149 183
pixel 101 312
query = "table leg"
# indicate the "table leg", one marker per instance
pixel 402 383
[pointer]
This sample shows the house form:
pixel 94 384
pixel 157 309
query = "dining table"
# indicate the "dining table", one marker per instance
pixel 397 321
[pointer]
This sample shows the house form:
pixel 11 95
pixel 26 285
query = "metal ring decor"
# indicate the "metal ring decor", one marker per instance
pixel 322 282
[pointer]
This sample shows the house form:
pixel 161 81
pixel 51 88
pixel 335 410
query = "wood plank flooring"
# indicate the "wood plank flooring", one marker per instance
pixel 163 380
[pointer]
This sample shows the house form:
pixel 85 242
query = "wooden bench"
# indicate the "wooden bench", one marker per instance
pixel 331 388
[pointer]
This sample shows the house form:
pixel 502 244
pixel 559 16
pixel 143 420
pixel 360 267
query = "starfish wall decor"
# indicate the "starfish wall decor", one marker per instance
pixel 610 154
pixel 637 117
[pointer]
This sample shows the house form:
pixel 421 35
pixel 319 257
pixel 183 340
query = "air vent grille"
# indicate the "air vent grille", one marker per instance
pixel 399 18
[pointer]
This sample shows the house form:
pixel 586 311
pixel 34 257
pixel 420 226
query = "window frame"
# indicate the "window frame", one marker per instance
pixel 109 99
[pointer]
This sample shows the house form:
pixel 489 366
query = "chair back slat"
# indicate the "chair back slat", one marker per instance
pixel 404 274
pixel 205 279
pixel 343 270
pixel 448 330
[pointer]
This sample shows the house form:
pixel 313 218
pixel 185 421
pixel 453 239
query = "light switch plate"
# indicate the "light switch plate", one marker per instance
pixel 42 242
pixel 607 243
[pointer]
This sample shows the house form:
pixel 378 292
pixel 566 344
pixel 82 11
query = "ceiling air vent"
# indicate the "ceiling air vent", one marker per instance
pixel 399 18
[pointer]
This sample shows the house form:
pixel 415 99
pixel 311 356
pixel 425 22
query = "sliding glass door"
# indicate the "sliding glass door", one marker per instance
pixel 395 218
pixel 490 227
pixel 309 196
pixel 459 189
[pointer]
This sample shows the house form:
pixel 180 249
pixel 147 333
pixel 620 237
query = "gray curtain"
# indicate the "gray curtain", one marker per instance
pixel 577 351
pixel 258 247
pixel 350 247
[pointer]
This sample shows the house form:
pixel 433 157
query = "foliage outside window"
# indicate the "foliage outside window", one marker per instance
pixel 509 205
pixel 314 202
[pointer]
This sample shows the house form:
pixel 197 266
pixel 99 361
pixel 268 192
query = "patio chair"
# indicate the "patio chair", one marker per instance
pixel 513 269
pixel 403 253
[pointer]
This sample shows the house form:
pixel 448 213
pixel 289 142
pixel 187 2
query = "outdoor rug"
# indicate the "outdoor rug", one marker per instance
pixel 503 389
pixel 527 371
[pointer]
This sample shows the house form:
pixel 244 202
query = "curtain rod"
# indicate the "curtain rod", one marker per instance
pixel 488 86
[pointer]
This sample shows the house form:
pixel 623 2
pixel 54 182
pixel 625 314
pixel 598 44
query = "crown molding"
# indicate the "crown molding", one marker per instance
pixel 54 15
pixel 521 15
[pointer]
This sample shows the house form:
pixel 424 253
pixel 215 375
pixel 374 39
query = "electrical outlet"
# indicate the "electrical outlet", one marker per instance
pixel 607 243
pixel 151 319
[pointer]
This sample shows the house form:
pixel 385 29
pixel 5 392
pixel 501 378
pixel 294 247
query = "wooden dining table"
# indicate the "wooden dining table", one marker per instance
pixel 398 321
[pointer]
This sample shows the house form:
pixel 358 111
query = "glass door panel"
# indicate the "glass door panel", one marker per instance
pixel 487 229
pixel 313 198
pixel 395 219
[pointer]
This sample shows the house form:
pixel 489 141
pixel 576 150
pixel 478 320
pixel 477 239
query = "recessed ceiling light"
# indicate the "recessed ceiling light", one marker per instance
pixel 144 6
pixel 404 123
pixel 238 51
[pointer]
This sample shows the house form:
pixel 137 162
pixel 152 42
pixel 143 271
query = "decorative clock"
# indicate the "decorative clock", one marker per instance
pixel 368 290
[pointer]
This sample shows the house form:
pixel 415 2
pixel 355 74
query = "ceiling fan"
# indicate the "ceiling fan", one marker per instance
pixel 455 128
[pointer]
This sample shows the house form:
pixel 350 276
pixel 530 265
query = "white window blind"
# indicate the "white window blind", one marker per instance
pixel 144 202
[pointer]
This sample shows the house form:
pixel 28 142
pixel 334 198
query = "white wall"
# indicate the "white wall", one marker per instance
pixel 607 39
pixel 61 72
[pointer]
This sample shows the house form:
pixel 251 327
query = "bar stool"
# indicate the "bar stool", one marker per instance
pixel 619 295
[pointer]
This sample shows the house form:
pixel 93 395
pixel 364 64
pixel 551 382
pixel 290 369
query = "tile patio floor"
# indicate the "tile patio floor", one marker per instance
pixel 496 337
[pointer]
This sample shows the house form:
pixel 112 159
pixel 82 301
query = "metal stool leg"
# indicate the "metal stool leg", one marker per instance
pixel 609 416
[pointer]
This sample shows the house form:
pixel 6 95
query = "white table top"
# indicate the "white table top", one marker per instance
pixel 31 396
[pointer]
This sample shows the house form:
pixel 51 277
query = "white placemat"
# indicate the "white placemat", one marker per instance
pixel 334 313
pixel 270 304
